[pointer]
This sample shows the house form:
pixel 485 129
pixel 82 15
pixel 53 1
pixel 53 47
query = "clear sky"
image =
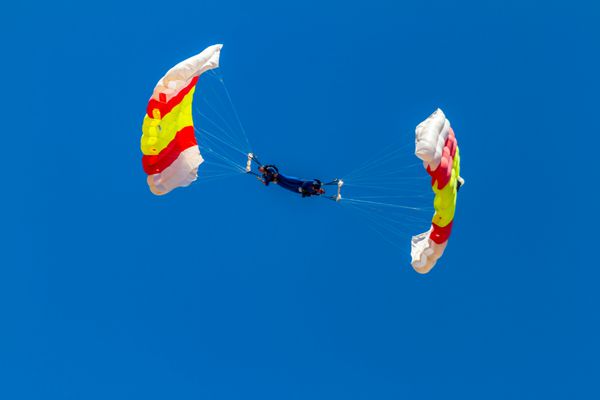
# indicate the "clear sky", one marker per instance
pixel 224 290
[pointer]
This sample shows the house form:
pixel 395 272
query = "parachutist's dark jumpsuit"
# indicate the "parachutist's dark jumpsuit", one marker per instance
pixel 305 188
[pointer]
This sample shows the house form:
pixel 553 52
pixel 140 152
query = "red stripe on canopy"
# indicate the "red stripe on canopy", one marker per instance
pixel 440 234
pixel 443 172
pixel 165 108
pixel 184 139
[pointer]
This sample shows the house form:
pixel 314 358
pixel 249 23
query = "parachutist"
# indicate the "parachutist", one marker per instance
pixel 270 173
pixel 306 188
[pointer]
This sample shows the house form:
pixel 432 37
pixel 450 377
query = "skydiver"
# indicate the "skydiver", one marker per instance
pixel 307 188
pixel 270 173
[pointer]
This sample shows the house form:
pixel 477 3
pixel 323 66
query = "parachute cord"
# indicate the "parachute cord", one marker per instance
pixel 254 174
pixel 205 177
pixel 236 167
pixel 230 144
pixel 386 187
pixel 206 145
pixel 220 140
pixel 224 131
pixel 413 196
pixel 399 218
pixel 396 171
pixel 382 222
pixel 386 157
pixel 229 128
pixel 380 171
pixel 219 97
pixel 256 160
pixel 390 180
pixel 237 117
pixel 385 204
pixel 220 164
pixel 380 228
pixel 228 104
pixel 367 162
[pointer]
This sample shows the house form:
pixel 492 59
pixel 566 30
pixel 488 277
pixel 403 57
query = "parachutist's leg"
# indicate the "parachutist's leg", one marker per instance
pixel 459 182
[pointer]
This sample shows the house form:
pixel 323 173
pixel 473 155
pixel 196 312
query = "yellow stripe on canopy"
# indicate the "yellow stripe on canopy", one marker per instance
pixel 445 199
pixel 157 133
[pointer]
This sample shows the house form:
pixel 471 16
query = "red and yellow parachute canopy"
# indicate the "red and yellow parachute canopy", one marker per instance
pixel 436 145
pixel 170 152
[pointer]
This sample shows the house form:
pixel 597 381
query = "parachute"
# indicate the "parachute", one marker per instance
pixel 436 145
pixel 381 189
pixel 171 155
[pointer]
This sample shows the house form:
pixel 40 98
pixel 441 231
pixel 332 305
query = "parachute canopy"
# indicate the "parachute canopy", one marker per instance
pixel 170 151
pixel 436 145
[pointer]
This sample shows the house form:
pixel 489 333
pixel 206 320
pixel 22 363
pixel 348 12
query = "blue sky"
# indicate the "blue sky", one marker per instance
pixel 220 291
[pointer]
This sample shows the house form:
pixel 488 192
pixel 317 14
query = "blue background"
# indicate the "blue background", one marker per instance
pixel 108 292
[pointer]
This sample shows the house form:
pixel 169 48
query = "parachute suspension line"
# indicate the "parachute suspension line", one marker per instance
pixel 209 146
pixel 381 228
pixel 373 164
pixel 407 186
pixel 211 177
pixel 226 162
pixel 388 181
pixel 387 204
pixel 232 145
pixel 240 137
pixel 365 163
pixel 390 222
pixel 383 223
pixel 219 140
pixel 218 165
pixel 218 160
pixel 237 117
pixel 377 169
pixel 227 133
pixel 395 172
pixel 400 218
pixel 223 119
pixel 414 196
pixel 384 157
pixel 384 190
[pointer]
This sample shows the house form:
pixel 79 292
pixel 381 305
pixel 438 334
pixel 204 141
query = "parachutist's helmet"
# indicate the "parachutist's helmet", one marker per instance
pixel 271 169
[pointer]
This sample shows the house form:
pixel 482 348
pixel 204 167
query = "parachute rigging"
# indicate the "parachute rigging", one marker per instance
pixel 171 158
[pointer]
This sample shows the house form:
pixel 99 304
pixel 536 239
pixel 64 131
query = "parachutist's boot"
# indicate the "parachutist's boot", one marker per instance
pixel 459 182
